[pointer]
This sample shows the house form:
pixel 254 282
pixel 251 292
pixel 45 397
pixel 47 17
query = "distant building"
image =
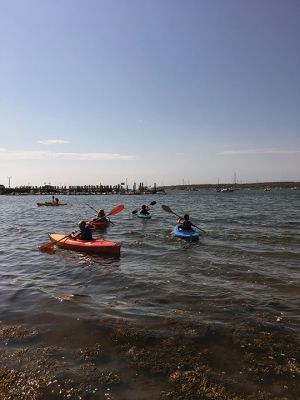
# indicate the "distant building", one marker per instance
pixel 2 189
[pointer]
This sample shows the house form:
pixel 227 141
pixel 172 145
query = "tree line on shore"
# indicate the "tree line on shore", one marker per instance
pixel 236 186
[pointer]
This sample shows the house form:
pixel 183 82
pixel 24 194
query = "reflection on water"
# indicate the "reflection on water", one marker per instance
pixel 232 295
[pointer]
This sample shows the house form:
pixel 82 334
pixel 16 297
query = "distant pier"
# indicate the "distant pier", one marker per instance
pixel 80 190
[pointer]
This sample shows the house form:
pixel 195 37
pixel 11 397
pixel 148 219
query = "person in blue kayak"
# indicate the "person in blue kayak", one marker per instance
pixel 85 233
pixel 145 210
pixel 185 223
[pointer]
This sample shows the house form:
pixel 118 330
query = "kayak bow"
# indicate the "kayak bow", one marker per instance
pixel 144 216
pixel 188 234
pixel 99 225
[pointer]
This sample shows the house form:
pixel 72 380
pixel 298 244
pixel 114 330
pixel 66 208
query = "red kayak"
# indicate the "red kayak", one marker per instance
pixel 99 225
pixel 94 246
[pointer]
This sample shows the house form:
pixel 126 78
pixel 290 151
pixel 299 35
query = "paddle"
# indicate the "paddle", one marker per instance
pixel 49 245
pixel 92 208
pixel 137 209
pixel 168 210
pixel 114 211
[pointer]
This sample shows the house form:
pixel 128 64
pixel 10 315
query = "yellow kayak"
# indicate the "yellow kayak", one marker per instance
pixel 51 203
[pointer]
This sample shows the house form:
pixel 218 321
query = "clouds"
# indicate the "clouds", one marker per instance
pixel 259 151
pixel 6 154
pixel 54 141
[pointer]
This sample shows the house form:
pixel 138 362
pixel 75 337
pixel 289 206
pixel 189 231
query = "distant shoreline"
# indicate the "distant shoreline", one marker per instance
pixel 235 186
pixel 48 190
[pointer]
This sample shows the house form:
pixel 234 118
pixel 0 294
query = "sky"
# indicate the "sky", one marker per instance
pixel 160 91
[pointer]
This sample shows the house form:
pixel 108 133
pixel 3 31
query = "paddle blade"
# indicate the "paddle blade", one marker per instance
pixel 49 245
pixel 152 203
pixel 46 246
pixel 135 211
pixel 167 209
pixel 116 210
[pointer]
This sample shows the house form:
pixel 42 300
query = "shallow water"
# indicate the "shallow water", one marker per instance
pixel 246 270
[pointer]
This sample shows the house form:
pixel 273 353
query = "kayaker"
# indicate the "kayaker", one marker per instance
pixel 53 199
pixel 185 223
pixel 56 200
pixel 85 232
pixel 101 216
pixel 144 210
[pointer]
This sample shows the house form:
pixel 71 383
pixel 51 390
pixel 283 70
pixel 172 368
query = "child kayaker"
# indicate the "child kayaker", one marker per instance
pixel 144 210
pixel 85 232
pixel 185 223
pixel 101 216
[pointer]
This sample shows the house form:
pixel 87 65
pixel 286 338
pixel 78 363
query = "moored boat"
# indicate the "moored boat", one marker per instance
pixel 94 246
pixel 227 190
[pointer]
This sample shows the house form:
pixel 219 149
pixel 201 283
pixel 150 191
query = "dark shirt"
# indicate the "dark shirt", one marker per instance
pixel 186 225
pixel 86 234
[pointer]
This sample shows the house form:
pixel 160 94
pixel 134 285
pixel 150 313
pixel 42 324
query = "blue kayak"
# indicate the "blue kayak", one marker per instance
pixel 144 216
pixel 189 234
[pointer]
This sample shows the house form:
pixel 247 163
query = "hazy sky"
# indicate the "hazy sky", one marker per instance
pixel 149 90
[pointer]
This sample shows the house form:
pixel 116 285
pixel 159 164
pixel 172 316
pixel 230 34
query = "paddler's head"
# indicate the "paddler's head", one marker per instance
pixel 101 213
pixel 143 207
pixel 82 225
pixel 186 217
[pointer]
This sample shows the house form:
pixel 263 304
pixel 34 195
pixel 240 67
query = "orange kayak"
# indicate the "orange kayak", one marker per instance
pixel 94 246
pixel 99 225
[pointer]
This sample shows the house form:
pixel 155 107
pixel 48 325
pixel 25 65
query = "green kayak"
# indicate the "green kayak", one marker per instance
pixel 144 216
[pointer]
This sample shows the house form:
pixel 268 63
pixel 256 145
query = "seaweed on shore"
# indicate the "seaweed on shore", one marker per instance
pixel 247 361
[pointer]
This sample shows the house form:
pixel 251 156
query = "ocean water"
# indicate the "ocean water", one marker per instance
pixel 243 273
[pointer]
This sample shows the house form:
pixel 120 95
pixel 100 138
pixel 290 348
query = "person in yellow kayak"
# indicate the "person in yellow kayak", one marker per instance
pixel 85 233
pixel 185 223
pixel 101 216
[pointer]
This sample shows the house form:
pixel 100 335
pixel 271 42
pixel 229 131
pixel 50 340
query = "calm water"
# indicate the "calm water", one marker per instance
pixel 247 265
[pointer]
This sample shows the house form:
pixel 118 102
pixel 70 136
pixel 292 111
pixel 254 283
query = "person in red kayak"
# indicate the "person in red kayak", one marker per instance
pixel 85 233
pixel 185 223
pixel 101 216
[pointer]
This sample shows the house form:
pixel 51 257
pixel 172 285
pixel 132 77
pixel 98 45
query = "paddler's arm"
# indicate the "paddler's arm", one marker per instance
pixel 75 235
